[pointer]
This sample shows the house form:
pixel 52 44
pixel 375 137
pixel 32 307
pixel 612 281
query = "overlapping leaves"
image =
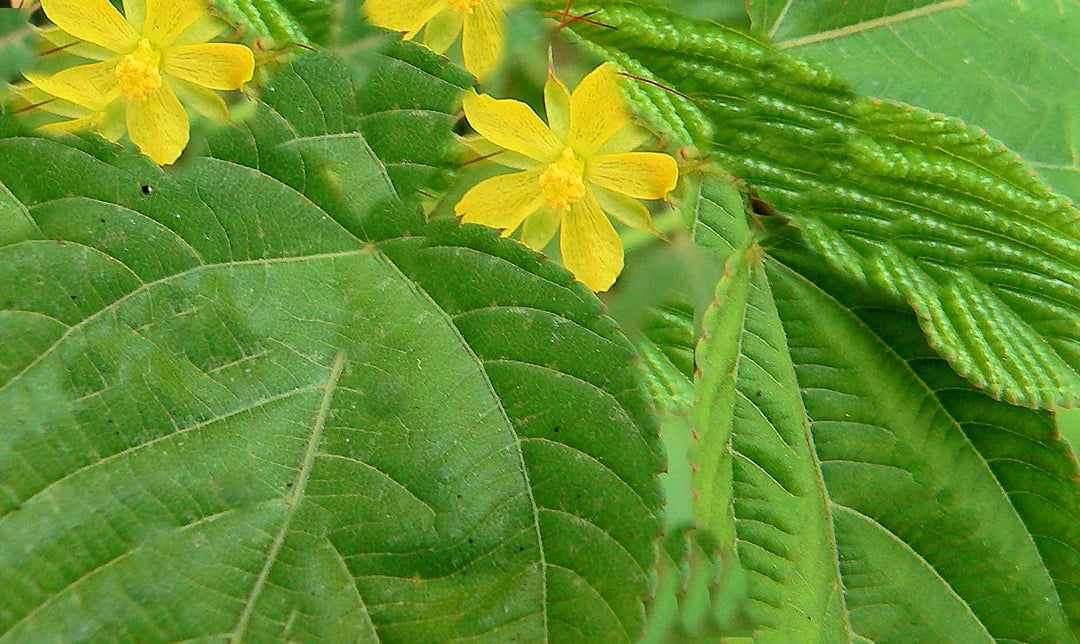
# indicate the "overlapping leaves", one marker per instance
pixel 260 398
pixel 873 495
pixel 935 213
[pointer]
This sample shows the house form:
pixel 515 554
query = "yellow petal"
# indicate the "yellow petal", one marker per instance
pixel 590 247
pixel 32 98
pixel 512 125
pixel 167 19
pixel 113 122
pixel 92 86
pixel 135 12
pixel 540 227
pixel 597 110
pixel 96 21
pixel 202 30
pixel 488 151
pixel 641 175
pixel 402 15
pixel 216 65
pixel 201 100
pixel 158 125
pixel 630 137
pixel 74 125
pixel 482 38
pixel 442 30
pixel 55 40
pixel 628 210
pixel 503 201
pixel 557 105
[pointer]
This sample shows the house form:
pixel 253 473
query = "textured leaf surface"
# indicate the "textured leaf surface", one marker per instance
pixel 921 206
pixel 260 399
pixel 954 514
pixel 283 22
pixel 1004 65
pixel 946 515
pixel 667 354
pixel 758 479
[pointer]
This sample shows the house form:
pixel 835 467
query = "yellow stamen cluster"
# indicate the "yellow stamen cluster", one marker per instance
pixel 137 73
pixel 562 183
pixel 463 6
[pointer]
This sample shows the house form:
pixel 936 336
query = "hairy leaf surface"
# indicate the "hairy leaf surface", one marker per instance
pixel 924 207
pixel 946 515
pixel 283 22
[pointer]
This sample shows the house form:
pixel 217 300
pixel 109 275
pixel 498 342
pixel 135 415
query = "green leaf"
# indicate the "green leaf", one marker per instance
pixel 259 398
pixel 758 478
pixel 699 592
pixel 954 514
pixel 923 207
pixel 832 437
pixel 1006 66
pixel 283 22
pixel 1069 425
pixel 15 41
pixel 16 224
pixel 667 355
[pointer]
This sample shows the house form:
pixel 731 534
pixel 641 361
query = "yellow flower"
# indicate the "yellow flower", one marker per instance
pixel 61 115
pixel 481 23
pixel 158 52
pixel 575 170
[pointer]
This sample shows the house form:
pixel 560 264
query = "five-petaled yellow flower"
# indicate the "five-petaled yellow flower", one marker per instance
pixel 575 170
pixel 481 23
pixel 154 52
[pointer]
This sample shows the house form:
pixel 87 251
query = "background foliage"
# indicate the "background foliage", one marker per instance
pixel 262 396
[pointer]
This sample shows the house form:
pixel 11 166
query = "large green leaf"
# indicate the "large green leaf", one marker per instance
pixel 931 211
pixel 954 515
pixel 840 453
pixel 1008 66
pixel 261 399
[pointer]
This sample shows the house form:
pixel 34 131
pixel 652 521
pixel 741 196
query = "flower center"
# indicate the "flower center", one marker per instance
pixel 137 73
pixel 463 6
pixel 562 183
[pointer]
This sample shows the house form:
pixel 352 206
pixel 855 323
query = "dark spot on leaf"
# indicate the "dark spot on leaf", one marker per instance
pixel 146 189
pixel 73 298
pixel 555 429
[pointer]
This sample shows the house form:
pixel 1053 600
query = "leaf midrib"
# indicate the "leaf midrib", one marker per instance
pixel 866 25
pixel 294 500
pixel 933 395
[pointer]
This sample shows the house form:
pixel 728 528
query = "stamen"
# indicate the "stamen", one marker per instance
pixel 137 74
pixel 562 183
